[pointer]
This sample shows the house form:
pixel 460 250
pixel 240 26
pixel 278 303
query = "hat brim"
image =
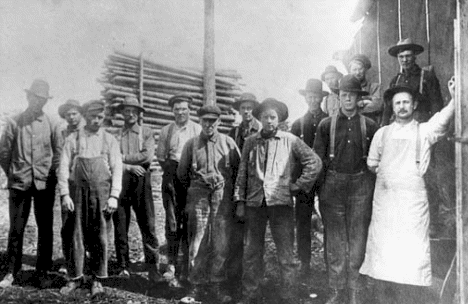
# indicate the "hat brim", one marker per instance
pixel 325 73
pixel 63 109
pixel 120 107
pixel 303 92
pixel 359 92
pixel 416 48
pixel 46 97
pixel 236 105
pixel 388 94
pixel 279 107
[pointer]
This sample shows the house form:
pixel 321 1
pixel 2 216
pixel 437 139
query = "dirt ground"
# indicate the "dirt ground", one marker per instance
pixel 137 289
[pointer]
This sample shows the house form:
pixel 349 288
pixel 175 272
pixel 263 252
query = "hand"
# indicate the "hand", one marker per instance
pixel 111 205
pixel 240 211
pixel 67 203
pixel 360 103
pixel 452 86
pixel 137 170
pixel 294 189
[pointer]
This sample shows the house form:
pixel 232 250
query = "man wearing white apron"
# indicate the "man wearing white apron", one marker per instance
pixel 398 249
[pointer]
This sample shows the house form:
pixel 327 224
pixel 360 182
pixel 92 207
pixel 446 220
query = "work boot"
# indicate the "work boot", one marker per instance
pixel 70 287
pixel 124 274
pixel 7 281
pixel 337 296
pixel 42 280
pixel 155 277
pixel 96 288
pixel 220 295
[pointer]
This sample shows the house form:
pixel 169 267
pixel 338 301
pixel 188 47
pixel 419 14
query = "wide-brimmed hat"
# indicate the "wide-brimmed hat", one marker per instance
pixel 40 88
pixel 130 101
pixel 389 93
pixel 349 83
pixel 94 105
pixel 209 112
pixel 245 97
pixel 180 98
pixel 271 103
pixel 403 45
pixel 315 86
pixel 331 69
pixel 69 104
pixel 366 63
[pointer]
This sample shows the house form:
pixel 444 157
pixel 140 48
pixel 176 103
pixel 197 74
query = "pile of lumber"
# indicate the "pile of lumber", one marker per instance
pixel 153 84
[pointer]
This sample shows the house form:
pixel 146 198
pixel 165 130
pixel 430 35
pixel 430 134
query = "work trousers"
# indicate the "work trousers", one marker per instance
pixel 174 196
pixel 346 206
pixel 137 195
pixel 88 223
pixel 394 293
pixel 304 210
pixel 210 224
pixel 281 220
pixel 19 209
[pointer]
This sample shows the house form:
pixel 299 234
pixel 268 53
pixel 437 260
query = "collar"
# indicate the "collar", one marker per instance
pixel 414 70
pixel 33 115
pixel 135 129
pixel 89 134
pixel 213 138
pixel 343 115
pixel 317 114
pixel 278 135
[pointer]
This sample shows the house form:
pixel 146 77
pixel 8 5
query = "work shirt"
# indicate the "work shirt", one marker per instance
pixel 136 148
pixel 349 155
pixel 330 104
pixel 376 103
pixel 30 150
pixel 69 130
pixel 173 138
pixel 208 161
pixel 309 124
pixel 269 166
pixel 431 100
pixel 242 131
pixel 88 145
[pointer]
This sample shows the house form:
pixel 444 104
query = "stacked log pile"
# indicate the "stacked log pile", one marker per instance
pixel 153 84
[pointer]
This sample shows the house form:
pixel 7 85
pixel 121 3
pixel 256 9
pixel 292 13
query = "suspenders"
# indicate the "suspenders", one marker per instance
pixel 301 122
pixel 362 123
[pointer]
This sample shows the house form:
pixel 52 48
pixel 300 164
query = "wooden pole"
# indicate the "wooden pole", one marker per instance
pixel 379 59
pixel 428 32
pixel 209 91
pixel 461 147
pixel 399 19
pixel 140 90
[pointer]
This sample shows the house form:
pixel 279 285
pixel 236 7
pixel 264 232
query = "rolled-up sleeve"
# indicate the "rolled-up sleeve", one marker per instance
pixel 64 168
pixel 145 155
pixel 115 164
pixel 375 150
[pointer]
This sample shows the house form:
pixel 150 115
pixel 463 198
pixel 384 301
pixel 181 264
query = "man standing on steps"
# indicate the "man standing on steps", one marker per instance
pixel 171 141
pixel 343 141
pixel 305 128
pixel 30 150
pixel 137 148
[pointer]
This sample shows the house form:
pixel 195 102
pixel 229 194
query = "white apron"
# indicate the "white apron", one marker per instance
pixel 398 248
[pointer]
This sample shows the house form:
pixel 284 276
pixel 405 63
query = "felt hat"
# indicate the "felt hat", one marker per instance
pixel 180 98
pixel 40 88
pixel 271 103
pixel 403 45
pixel 315 86
pixel 363 59
pixel 69 104
pixel 130 101
pixel 349 83
pixel 331 69
pixel 94 105
pixel 209 112
pixel 245 97
pixel 389 93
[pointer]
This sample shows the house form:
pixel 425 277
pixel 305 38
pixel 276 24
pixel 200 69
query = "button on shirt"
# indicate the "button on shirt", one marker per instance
pixel 349 157
pixel 136 148
pixel 310 123
pixel 89 145
pixel 30 150
pixel 173 138
pixel 241 132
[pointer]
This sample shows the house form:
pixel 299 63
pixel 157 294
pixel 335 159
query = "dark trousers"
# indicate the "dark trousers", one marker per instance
pixel 394 293
pixel 346 203
pixel 174 195
pixel 137 195
pixel 304 210
pixel 19 208
pixel 281 220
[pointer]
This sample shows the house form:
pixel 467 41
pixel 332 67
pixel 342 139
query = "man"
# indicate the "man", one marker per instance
pixel 171 142
pixel 370 105
pixel 331 76
pixel 274 166
pixel 208 165
pixel 137 148
pixel 90 171
pixel 422 80
pixel 71 112
pixel 249 125
pixel 305 128
pixel 342 141
pixel 398 248
pixel 29 154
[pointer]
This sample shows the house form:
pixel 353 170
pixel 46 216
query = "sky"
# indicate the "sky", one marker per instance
pixel 276 45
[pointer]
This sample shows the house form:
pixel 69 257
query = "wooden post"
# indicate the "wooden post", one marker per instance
pixel 461 147
pixel 209 96
pixel 399 20
pixel 140 90
pixel 428 32
pixel 379 59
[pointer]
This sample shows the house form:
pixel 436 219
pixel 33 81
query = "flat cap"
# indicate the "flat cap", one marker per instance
pixel 69 104
pixel 94 105
pixel 366 63
pixel 180 98
pixel 331 69
pixel 209 111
